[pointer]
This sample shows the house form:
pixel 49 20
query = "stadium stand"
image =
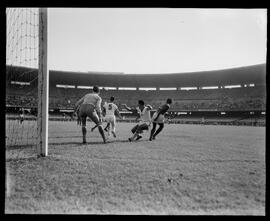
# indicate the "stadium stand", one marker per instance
pixel 250 97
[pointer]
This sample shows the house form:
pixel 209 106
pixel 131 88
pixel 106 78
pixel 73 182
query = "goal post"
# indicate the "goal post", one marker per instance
pixel 27 81
pixel 43 85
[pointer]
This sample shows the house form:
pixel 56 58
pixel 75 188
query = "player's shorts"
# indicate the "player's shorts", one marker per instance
pixel 88 110
pixel 109 119
pixel 160 119
pixel 139 128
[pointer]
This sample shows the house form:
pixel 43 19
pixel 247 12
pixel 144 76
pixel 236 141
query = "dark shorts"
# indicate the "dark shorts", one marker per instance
pixel 88 110
pixel 139 128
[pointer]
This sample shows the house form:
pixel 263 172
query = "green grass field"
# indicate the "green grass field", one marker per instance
pixel 187 170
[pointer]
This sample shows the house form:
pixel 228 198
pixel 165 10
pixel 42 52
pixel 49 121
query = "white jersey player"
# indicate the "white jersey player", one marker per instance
pixel 144 120
pixel 110 110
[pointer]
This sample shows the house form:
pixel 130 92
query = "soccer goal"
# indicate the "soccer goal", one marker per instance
pixel 27 79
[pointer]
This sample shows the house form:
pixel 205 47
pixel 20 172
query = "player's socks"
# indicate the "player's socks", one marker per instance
pixel 133 137
pixel 152 131
pixel 138 137
pixel 84 134
pixel 107 127
pixel 101 131
pixel 158 131
pixel 93 128
pixel 151 134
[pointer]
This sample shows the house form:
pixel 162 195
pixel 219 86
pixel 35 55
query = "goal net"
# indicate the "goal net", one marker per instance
pixel 22 71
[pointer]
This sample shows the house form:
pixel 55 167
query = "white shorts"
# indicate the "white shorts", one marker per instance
pixel 109 119
pixel 160 119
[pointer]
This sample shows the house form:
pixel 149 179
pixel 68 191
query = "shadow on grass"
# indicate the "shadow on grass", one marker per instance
pixel 79 143
pixel 23 158
pixel 117 141
pixel 56 137
pixel 23 146
pixel 76 143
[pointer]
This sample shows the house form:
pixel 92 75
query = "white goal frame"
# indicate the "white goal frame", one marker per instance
pixel 43 85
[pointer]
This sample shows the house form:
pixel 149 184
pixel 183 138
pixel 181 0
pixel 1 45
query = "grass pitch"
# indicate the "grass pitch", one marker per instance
pixel 187 170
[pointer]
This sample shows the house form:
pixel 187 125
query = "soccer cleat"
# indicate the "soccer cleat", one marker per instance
pixel 139 137
pixel 129 139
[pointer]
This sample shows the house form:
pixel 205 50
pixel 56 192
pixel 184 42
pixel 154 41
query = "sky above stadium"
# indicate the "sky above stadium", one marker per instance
pixel 155 40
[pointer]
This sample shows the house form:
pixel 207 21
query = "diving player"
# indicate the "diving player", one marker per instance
pixel 144 119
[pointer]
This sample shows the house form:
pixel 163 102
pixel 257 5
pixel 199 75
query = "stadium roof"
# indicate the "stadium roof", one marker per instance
pixel 243 75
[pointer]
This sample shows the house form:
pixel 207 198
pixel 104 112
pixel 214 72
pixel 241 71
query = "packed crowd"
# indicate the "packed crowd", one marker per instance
pixel 217 99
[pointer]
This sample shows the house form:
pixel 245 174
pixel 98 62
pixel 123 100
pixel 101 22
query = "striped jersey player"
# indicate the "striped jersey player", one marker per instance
pixel 159 118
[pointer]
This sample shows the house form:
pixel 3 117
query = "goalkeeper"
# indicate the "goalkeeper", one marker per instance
pixel 90 106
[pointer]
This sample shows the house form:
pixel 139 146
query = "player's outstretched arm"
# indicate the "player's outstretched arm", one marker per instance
pixel 128 108
pixel 149 107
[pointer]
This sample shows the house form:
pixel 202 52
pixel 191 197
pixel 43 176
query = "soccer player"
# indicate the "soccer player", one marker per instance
pixel 158 118
pixel 90 106
pixel 21 113
pixel 76 114
pixel 203 121
pixel 144 119
pixel 110 110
